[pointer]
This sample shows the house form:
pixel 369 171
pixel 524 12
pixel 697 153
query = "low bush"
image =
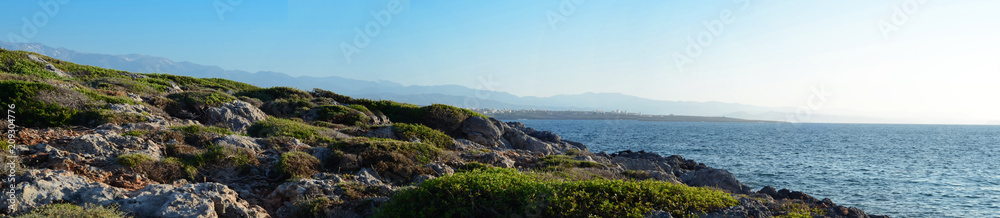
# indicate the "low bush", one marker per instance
pixel 425 134
pixel 398 161
pixel 70 210
pixel 32 112
pixel 340 114
pixel 287 107
pixel 319 93
pixel 298 164
pixel 507 192
pixel 282 127
pixel 190 105
pixel 315 207
pixel 133 160
pixel 446 118
pixel 273 93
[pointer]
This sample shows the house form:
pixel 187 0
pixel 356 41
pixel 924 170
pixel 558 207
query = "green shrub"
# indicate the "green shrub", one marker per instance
pixel 69 210
pixel 319 93
pixel 34 113
pixel 425 134
pixel 201 99
pixel 297 164
pixel 398 161
pixel 287 107
pixel 421 152
pixel 361 108
pixel 397 112
pixel 225 156
pixel 133 160
pixel 282 127
pixel 192 104
pixel 273 93
pixel 507 192
pixel 312 207
pixel 340 114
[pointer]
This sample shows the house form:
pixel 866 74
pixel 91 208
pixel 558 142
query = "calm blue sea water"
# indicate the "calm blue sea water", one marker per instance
pixel 898 170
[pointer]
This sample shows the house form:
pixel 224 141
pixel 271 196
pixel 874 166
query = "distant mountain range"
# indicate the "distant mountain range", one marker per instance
pixel 422 95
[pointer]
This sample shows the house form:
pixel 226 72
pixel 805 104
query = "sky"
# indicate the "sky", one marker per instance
pixel 938 60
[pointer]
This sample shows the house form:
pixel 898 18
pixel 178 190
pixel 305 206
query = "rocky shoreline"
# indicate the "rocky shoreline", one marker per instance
pixel 107 143
pixel 76 165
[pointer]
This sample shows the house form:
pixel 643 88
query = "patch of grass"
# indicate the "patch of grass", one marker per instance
pixel 637 174
pixel 558 162
pixel 298 164
pixel 273 93
pixel 133 160
pixel 272 127
pixel 105 98
pixel 195 129
pixel 136 133
pixel 507 192
pixel 425 134
pixel 70 210
pixel 17 62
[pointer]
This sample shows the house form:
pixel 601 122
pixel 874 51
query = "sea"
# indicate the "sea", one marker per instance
pixel 884 169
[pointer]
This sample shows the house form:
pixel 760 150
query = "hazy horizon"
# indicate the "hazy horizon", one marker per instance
pixel 918 60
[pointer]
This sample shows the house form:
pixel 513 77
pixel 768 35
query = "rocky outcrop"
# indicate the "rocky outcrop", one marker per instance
pixel 110 145
pixel 194 200
pixel 48 66
pixel 481 130
pixel 42 187
pixel 520 137
pixel 718 178
pixel 242 142
pixel 236 115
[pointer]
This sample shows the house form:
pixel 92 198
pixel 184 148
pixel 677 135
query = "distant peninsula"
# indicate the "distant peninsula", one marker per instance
pixel 504 114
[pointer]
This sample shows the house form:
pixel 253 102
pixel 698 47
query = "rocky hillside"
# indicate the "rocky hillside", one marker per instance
pixel 98 142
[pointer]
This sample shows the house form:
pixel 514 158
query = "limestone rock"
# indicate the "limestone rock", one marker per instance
pixel 236 115
pixel 194 200
pixel 718 178
pixel 482 131
pixel 108 146
pixel 42 187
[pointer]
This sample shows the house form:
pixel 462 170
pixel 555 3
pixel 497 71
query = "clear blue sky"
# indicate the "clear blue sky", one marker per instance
pixel 939 59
